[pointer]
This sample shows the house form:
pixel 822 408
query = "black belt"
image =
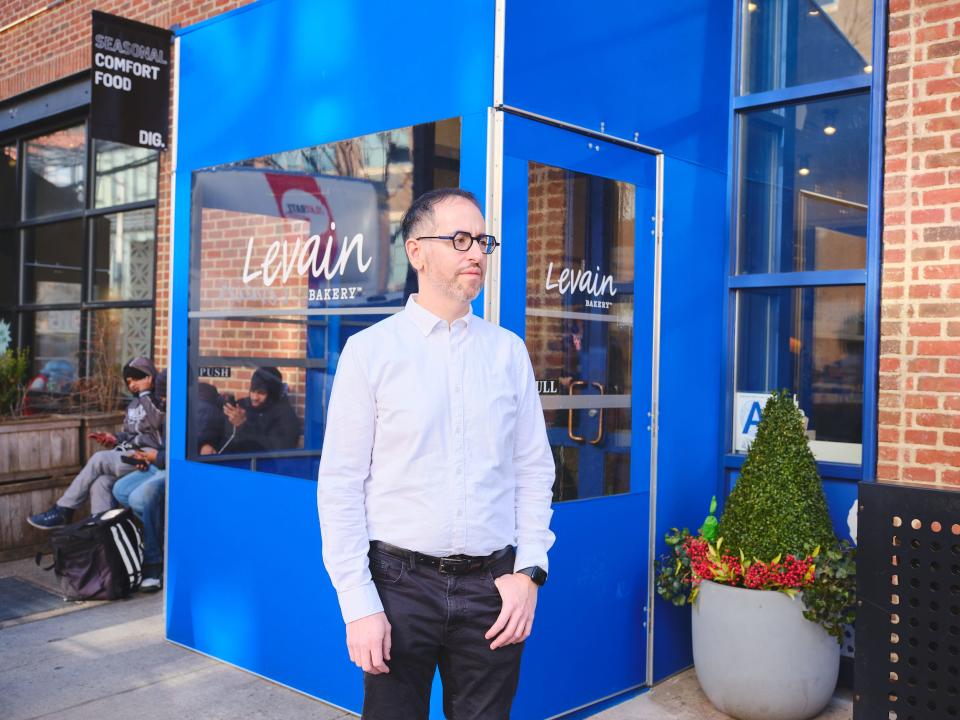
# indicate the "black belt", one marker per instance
pixel 452 565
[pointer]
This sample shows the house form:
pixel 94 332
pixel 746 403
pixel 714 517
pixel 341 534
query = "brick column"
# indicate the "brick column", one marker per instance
pixel 919 402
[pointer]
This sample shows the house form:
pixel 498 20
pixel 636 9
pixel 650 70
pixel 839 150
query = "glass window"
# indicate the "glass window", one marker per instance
pixel 794 42
pixel 803 186
pixel 579 324
pixel 53 337
pixel 53 263
pixel 54 174
pixel 809 341
pixel 123 252
pixel 9 205
pixel 9 267
pixel 124 174
pixel 292 254
pixel 116 335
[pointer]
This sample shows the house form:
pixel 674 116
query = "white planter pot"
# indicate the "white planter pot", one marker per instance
pixel 758 658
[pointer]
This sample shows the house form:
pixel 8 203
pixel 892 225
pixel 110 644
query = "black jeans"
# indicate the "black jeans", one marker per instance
pixel 441 620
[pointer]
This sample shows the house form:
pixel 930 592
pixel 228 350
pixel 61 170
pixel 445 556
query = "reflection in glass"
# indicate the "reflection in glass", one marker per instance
pixel 810 341
pixel 9 267
pixel 53 336
pixel 803 190
pixel 124 174
pixel 117 335
pixel 123 256
pixel 292 254
pixel 54 173
pixel 9 200
pixel 579 324
pixel 8 330
pixel 794 42
pixel 53 263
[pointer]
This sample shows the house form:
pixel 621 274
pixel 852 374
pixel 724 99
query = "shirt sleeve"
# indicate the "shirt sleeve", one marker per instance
pixel 344 468
pixel 534 472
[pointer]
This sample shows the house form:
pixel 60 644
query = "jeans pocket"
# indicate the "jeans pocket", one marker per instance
pixel 385 568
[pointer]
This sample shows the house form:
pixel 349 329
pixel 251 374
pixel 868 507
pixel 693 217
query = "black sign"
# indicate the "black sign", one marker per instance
pixel 209 371
pixel 130 102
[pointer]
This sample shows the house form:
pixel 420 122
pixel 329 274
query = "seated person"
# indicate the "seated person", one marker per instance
pixel 143 491
pixel 143 426
pixel 263 421
pixel 209 417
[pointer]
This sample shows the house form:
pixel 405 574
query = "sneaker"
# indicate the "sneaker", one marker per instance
pixel 55 517
pixel 152 579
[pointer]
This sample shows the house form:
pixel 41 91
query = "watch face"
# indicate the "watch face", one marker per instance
pixel 537 574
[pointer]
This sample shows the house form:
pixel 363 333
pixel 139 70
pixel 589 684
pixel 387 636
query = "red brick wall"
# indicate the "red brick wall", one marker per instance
pixel 919 402
pixel 56 43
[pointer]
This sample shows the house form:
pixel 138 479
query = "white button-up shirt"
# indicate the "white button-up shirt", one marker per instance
pixel 435 442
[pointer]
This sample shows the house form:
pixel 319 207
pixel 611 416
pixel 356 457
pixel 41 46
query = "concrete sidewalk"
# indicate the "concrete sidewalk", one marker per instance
pixel 100 660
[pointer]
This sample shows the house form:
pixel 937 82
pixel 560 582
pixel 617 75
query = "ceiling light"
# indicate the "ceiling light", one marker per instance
pixel 751 7
pixel 804 171
pixel 813 13
pixel 868 68
pixel 829 130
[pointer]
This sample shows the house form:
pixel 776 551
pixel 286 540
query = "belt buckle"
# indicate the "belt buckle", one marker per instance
pixel 450 566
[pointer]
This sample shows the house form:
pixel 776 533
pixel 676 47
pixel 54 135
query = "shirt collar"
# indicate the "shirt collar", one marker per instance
pixel 425 320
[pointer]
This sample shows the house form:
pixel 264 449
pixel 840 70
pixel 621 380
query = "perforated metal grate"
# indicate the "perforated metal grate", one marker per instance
pixel 908 623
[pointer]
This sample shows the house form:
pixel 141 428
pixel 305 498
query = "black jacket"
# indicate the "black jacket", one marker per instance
pixel 272 426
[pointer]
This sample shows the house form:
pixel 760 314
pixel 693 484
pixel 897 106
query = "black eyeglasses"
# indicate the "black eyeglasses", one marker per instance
pixel 462 241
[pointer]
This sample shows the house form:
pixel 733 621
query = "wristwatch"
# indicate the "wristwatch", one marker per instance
pixel 535 573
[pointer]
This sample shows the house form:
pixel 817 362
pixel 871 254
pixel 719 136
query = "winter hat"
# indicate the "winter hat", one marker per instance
pixel 138 369
pixel 132 373
pixel 268 380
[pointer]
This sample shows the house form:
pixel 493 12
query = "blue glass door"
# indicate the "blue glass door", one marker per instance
pixel 577 283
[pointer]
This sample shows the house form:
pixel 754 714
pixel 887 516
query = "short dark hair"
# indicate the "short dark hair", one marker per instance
pixel 422 208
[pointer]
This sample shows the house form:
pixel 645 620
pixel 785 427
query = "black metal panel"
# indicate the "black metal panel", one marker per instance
pixel 51 100
pixel 908 588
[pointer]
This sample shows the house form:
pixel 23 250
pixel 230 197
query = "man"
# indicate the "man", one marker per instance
pixel 264 420
pixel 143 426
pixel 144 492
pixel 435 485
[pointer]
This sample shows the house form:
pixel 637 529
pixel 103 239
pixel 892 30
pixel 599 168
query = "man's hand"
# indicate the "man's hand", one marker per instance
pixel 146 456
pixel 105 439
pixel 519 594
pixel 235 414
pixel 368 640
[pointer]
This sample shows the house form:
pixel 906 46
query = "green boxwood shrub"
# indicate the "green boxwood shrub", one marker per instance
pixel 777 506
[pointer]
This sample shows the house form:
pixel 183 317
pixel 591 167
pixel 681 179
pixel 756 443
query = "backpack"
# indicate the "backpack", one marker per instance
pixel 100 558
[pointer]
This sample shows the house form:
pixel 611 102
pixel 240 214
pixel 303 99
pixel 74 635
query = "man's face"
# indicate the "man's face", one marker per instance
pixel 257 398
pixel 450 272
pixel 138 386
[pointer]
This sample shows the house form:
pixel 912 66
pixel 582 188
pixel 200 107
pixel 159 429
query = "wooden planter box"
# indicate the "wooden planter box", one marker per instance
pixel 39 457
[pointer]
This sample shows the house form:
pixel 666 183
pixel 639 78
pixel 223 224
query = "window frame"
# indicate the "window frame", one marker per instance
pixel 869 277
pixel 18 137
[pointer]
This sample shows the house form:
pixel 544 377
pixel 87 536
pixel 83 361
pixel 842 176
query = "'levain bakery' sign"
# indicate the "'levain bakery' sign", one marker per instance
pixel 130 98
pixel 588 282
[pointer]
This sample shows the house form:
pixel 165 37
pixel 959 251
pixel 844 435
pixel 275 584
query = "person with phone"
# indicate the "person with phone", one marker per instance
pixel 143 427
pixel 264 420
pixel 144 492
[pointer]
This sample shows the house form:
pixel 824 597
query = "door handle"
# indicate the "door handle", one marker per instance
pixel 599 437
pixel 579 438
pixel 570 434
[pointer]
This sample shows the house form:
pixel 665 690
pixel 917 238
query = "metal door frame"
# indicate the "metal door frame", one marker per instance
pixel 492 286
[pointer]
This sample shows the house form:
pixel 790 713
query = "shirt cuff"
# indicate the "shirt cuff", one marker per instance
pixel 529 557
pixel 359 602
